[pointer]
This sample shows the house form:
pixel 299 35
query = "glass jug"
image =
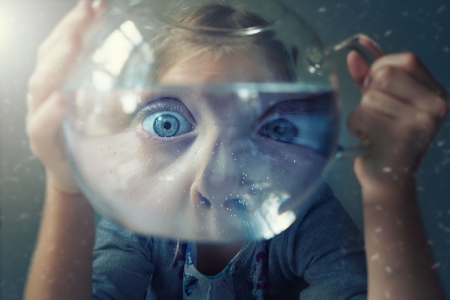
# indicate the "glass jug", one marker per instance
pixel 202 121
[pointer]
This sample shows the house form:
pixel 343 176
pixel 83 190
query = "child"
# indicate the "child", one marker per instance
pixel 401 108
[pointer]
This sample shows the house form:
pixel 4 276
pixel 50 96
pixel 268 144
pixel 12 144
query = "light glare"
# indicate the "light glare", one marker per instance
pixel 8 22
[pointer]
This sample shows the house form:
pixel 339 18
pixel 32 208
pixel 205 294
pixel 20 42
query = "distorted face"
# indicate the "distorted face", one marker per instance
pixel 213 164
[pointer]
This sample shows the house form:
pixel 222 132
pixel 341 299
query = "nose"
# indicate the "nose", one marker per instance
pixel 222 181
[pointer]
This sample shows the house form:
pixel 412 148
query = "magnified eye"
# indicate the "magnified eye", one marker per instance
pixel 166 124
pixel 281 130
pixel 314 131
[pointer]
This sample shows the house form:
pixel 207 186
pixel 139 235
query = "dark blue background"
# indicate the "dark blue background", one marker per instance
pixel 397 25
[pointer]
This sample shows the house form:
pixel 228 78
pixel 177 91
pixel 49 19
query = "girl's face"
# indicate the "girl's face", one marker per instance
pixel 210 164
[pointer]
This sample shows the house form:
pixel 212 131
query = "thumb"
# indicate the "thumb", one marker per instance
pixel 359 70
pixel 44 128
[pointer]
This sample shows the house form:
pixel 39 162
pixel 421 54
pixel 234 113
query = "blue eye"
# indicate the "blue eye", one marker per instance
pixel 315 131
pixel 281 130
pixel 166 124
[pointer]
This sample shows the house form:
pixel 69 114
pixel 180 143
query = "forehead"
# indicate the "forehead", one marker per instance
pixel 223 69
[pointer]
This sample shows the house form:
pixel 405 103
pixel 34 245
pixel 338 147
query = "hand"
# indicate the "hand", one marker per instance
pixel 46 105
pixel 401 109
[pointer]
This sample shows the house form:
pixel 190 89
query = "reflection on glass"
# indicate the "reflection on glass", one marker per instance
pixel 214 134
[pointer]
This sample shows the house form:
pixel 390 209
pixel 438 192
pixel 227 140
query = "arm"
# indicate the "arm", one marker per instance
pixel 401 109
pixel 61 264
pixel 400 264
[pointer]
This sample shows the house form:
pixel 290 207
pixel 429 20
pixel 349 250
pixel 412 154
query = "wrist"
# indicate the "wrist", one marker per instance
pixel 61 185
pixel 67 207
pixel 386 186
pixel 392 193
pixel 65 195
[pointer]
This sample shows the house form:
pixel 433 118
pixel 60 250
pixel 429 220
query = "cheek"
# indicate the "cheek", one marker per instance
pixel 115 158
pixel 126 166
pixel 293 168
pixel 137 183
pixel 125 157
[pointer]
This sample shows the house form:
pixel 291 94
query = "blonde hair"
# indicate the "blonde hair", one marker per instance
pixel 190 41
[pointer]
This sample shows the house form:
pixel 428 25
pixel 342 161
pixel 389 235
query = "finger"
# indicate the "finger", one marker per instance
pixel 410 131
pixel 404 114
pixel 357 66
pixel 52 72
pixel 77 20
pixel 388 137
pixel 386 104
pixel 98 6
pixel 44 129
pixel 371 46
pixel 410 63
pixel 369 124
pixel 52 69
pixel 401 84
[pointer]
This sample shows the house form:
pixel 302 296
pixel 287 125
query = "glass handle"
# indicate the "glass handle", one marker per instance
pixel 350 152
pixel 356 43
pixel 369 51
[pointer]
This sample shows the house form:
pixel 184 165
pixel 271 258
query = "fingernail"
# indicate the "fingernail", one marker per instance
pixel 97 5
pixel 81 4
pixel 367 82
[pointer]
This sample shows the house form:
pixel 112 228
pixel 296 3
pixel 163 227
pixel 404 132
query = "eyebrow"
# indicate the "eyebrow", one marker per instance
pixel 312 103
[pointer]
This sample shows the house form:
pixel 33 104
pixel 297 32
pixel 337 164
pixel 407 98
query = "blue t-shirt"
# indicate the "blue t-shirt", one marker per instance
pixel 321 256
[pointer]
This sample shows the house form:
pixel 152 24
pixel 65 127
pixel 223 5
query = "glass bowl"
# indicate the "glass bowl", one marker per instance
pixel 201 121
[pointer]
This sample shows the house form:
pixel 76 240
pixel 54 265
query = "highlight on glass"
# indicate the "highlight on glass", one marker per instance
pixel 187 125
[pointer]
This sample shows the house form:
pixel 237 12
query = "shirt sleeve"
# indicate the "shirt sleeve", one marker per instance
pixel 326 250
pixel 122 264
